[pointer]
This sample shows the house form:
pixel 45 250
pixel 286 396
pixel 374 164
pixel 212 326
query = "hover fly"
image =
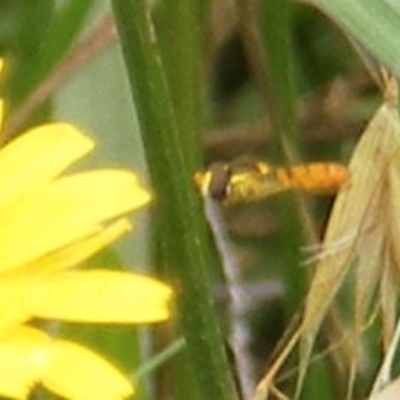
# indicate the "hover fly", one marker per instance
pixel 244 181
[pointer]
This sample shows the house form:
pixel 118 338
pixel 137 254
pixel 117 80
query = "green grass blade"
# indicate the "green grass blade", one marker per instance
pixel 180 228
pixel 373 23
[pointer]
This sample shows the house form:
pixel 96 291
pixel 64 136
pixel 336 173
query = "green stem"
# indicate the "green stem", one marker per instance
pixel 182 229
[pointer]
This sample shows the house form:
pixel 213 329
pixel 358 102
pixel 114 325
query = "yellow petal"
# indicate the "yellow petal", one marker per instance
pixel 38 156
pixel 1 65
pixel 23 356
pixel 75 253
pixel 1 113
pixel 28 357
pixel 65 211
pixel 79 374
pixel 12 308
pixel 99 296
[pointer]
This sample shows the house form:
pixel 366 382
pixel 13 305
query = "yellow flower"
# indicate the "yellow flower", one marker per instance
pixel 48 225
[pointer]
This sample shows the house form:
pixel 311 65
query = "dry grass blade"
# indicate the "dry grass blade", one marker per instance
pixel 266 384
pixel 383 377
pixel 362 235
pixel 357 214
pixel 357 235
pixel 391 392
pixel 391 251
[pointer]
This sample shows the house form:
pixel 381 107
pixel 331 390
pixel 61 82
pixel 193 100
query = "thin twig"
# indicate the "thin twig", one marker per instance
pixel 100 37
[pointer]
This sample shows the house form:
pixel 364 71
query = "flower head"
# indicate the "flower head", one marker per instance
pixel 49 224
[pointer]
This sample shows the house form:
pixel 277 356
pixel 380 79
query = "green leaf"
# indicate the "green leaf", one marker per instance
pixel 372 23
